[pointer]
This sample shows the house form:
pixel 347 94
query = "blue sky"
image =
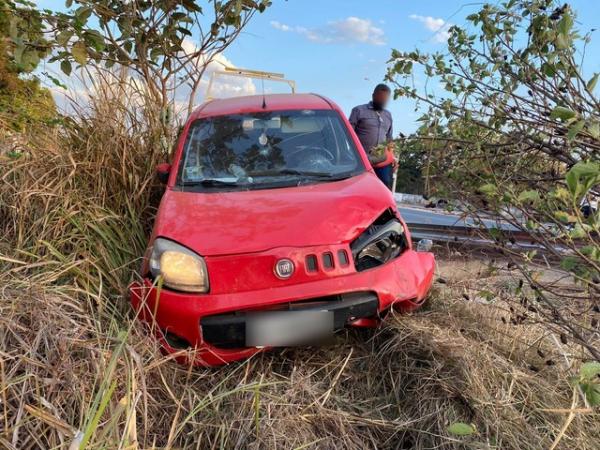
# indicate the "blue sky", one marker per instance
pixel 339 48
pixel 321 45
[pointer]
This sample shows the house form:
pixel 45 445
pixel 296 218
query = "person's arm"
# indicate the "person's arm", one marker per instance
pixel 378 160
pixel 389 152
pixel 354 117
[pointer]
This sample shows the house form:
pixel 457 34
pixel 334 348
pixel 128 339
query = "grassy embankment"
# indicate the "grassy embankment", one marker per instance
pixel 76 368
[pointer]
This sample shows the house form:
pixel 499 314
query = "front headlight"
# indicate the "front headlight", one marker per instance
pixel 179 267
pixel 381 242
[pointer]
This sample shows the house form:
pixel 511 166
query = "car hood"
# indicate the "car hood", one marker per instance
pixel 224 223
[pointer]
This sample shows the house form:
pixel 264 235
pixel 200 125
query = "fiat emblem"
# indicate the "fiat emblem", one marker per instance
pixel 284 268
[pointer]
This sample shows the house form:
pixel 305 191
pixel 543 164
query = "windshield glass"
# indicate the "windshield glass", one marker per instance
pixel 271 148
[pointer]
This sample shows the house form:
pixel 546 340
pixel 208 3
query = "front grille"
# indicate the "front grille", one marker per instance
pixel 326 261
pixel 343 258
pixel 311 263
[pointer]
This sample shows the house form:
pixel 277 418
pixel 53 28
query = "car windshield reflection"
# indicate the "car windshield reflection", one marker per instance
pixel 260 150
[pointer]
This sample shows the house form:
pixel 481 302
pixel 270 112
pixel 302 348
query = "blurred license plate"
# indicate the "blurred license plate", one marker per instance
pixel 288 328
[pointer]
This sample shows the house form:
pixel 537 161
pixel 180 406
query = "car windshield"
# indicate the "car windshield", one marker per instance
pixel 260 150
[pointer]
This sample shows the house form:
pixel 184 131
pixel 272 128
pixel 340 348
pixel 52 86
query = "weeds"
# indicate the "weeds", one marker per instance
pixel 70 375
pixel 78 371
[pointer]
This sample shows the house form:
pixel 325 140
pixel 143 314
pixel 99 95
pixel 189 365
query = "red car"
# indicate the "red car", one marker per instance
pixel 273 230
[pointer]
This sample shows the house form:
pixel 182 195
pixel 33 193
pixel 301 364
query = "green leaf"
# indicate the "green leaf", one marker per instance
pixel 572 183
pixel 95 39
pixel 581 177
pixel 488 189
pixel 592 83
pixel 590 370
pixel 575 129
pixel 592 393
pixel 531 225
pixel 529 196
pixel 486 295
pixel 594 129
pixel 191 5
pixel 563 216
pixel 591 251
pixel 55 81
pixel 562 113
pixel 63 37
pixel 569 263
pixel 549 69
pixel 577 232
pixel 566 23
pixel 83 13
pixel 461 429
pixel 65 66
pixel 184 31
pixel 79 52
pixel 30 60
pixel 13 154
pixel 562 41
pixel 586 169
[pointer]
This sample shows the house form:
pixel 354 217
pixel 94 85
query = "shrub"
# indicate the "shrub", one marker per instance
pixel 516 132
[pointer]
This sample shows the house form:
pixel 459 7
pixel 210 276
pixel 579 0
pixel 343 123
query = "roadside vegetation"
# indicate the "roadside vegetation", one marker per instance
pixel 477 368
pixel 511 127
pixel 22 103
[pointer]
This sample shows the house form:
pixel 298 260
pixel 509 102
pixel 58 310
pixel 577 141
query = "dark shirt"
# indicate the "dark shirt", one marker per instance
pixel 372 127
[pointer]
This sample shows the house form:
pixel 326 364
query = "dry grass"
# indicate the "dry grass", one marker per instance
pixel 76 369
pixel 67 370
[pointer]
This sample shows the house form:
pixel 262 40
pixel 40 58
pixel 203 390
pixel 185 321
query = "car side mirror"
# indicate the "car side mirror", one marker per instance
pixel 163 170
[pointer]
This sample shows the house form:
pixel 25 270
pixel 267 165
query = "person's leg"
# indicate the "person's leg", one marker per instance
pixel 386 175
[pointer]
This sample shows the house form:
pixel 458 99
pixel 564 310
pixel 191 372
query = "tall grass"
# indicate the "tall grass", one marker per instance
pixel 78 371
pixel 79 201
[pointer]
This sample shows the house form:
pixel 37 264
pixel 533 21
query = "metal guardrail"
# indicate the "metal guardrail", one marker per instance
pixel 452 228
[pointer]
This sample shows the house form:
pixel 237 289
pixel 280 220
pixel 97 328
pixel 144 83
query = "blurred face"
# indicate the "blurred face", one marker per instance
pixel 381 99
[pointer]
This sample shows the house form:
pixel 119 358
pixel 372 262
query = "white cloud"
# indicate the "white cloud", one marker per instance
pixel 343 31
pixel 280 26
pixel 81 87
pixel 438 26
pixel 224 86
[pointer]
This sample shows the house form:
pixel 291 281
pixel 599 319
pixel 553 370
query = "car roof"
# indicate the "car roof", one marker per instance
pixel 254 103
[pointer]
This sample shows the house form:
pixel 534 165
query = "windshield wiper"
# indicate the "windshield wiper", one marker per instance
pixel 302 173
pixel 325 176
pixel 209 182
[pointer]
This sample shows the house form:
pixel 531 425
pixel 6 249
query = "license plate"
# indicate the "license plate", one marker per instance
pixel 288 328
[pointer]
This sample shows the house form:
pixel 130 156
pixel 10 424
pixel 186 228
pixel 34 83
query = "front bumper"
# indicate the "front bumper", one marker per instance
pixel 229 330
pixel 177 317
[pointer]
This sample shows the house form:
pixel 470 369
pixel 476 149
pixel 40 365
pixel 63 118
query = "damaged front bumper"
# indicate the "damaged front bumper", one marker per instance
pixel 203 322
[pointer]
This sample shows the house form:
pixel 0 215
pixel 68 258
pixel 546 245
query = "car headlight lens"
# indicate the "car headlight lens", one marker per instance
pixel 180 268
pixel 381 242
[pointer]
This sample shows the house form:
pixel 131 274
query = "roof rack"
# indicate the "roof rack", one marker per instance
pixel 247 73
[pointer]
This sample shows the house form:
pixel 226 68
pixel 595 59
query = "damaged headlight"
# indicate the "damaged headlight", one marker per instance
pixel 383 241
pixel 180 268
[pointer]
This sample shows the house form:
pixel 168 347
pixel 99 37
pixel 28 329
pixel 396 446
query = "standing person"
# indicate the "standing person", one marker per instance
pixel 373 126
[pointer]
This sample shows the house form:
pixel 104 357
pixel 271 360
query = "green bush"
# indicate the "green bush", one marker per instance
pixel 514 128
pixel 22 100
